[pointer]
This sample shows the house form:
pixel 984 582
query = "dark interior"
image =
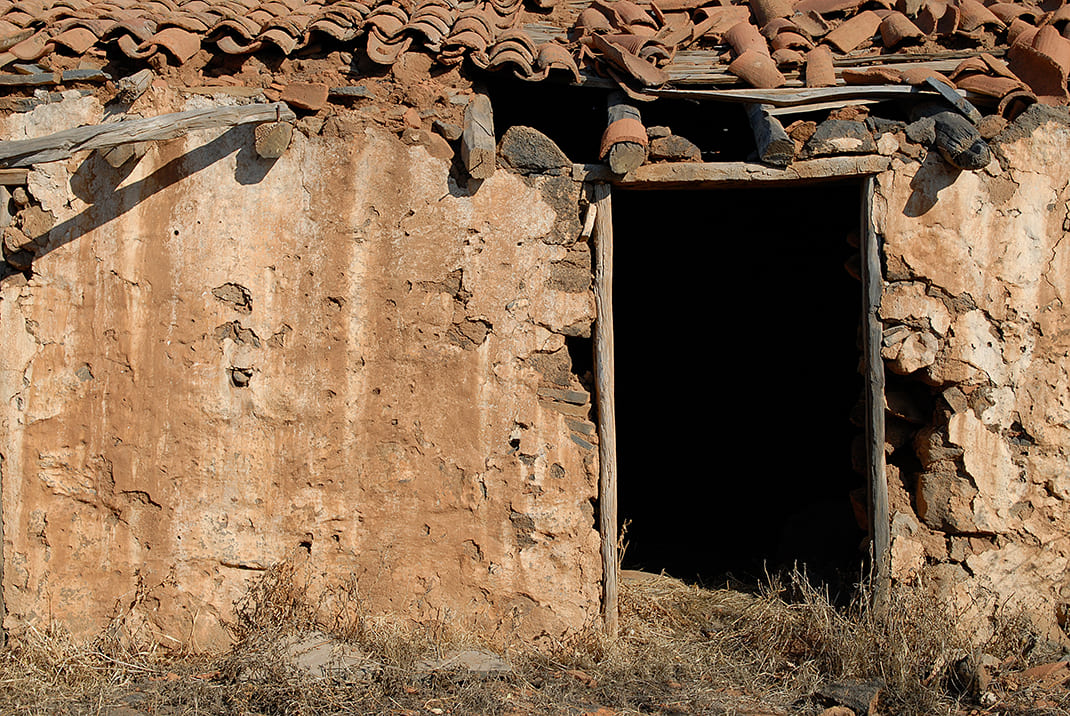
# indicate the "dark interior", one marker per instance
pixel 737 361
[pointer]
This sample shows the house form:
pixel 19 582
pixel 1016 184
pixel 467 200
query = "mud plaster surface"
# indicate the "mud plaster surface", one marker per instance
pixel 387 326
pixel 979 268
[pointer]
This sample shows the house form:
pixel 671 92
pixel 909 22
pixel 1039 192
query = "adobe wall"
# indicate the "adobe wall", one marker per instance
pixel 976 316
pixel 221 363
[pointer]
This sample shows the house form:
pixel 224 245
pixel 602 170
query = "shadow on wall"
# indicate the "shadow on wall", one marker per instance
pixel 933 176
pixel 97 183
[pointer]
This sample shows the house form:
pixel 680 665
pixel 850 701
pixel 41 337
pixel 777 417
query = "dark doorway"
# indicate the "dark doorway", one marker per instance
pixel 737 359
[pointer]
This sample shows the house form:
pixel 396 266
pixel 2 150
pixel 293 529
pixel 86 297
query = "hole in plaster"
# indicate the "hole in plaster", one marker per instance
pixel 240 377
pixel 736 373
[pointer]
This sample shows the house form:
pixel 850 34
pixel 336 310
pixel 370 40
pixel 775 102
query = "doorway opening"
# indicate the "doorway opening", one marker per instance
pixel 738 390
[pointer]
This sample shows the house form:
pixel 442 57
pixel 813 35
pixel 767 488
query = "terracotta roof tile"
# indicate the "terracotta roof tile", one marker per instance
pixel 631 41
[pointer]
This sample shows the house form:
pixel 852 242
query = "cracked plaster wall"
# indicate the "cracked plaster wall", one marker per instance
pixel 220 363
pixel 974 306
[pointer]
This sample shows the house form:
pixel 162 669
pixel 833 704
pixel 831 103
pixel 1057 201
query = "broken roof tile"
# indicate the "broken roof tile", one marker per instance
pixel 855 32
pixel 757 69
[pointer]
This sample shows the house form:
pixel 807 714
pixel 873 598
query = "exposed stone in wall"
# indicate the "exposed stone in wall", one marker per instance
pixel 978 276
pixel 220 361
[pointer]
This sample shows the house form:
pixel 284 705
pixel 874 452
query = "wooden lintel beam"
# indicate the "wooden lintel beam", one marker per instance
pixel 727 174
pixel 60 145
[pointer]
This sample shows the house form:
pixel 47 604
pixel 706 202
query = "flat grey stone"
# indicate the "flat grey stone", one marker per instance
pixel 477 661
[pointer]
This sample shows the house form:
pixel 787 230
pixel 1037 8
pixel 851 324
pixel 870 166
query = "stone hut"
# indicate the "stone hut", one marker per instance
pixel 447 300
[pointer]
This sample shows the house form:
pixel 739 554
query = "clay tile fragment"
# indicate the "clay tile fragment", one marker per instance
pixel 938 18
pixel 311 96
pixel 823 7
pixel 757 69
pixel 811 24
pixel 896 28
pixel 973 15
pixel 78 40
pixel 645 72
pixel 788 58
pixel 872 76
pixel 916 76
pixel 718 19
pixel 554 56
pixel 1020 33
pixel 591 20
pixel 744 37
pixel 33 48
pixel 181 44
pixel 855 32
pixel 631 14
pixel 626 129
pixel 767 10
pixel 230 45
pixel 820 71
pixel 989 86
pixel 791 40
pixel 1015 103
pixel 1008 11
pixel 774 27
pixel 1042 73
pixel 1049 42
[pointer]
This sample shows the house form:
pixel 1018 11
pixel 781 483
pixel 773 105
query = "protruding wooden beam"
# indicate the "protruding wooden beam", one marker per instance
pixel 60 145
pixel 477 139
pixel 605 386
pixel 135 85
pixel 775 147
pixel 624 142
pixel 53 78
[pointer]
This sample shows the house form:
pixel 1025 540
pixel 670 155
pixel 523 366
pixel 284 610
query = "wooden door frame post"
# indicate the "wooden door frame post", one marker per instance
pixel 601 197
pixel 877 484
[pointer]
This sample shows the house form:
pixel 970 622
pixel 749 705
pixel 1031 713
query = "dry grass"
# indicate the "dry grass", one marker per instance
pixel 682 649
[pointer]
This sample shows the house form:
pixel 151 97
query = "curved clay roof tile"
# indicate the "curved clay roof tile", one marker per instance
pixel 823 7
pixel 744 37
pixel 231 46
pixel 98 26
pixel 757 69
pixel 243 26
pixel 1020 33
pixel 140 27
pixel 820 71
pixel 768 10
pixel 774 27
pixel 896 28
pixel 973 15
pixel 19 18
pixel 856 32
pixel 77 39
pixel 989 86
pixel 591 20
pixel 553 56
pixel 186 21
pixel 179 43
pixel 790 41
pixel 718 20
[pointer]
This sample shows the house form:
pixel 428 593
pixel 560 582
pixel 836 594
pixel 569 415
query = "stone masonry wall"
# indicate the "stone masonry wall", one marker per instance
pixel 221 362
pixel 976 318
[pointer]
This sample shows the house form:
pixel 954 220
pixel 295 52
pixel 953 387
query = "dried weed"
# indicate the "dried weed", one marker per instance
pixel 682 649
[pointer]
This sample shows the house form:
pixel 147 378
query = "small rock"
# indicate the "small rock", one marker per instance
pixel 837 711
pixel 840 136
pixel 438 147
pixel 321 656
pixel 477 661
pixel 801 130
pixel 240 377
pixel 908 148
pixel 880 125
pixel 350 92
pixel 310 125
pixel 459 99
pixel 449 130
pixel 529 151
pixel 887 145
pixel 674 148
pixel 991 126
pixel 658 132
pixel 15 240
pixel 411 118
pixel 20 197
pixel 311 96
pixel 923 131
pixel 272 138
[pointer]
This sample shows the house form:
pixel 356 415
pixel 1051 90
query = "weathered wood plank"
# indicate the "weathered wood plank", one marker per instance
pixel 872 334
pixel 53 78
pixel 13 177
pixel 774 145
pixel 478 150
pixel 726 174
pixel 790 96
pixel 605 386
pixel 52 147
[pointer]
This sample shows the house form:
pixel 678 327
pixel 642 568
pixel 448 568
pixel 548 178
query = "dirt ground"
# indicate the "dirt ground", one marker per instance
pixel 781 649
